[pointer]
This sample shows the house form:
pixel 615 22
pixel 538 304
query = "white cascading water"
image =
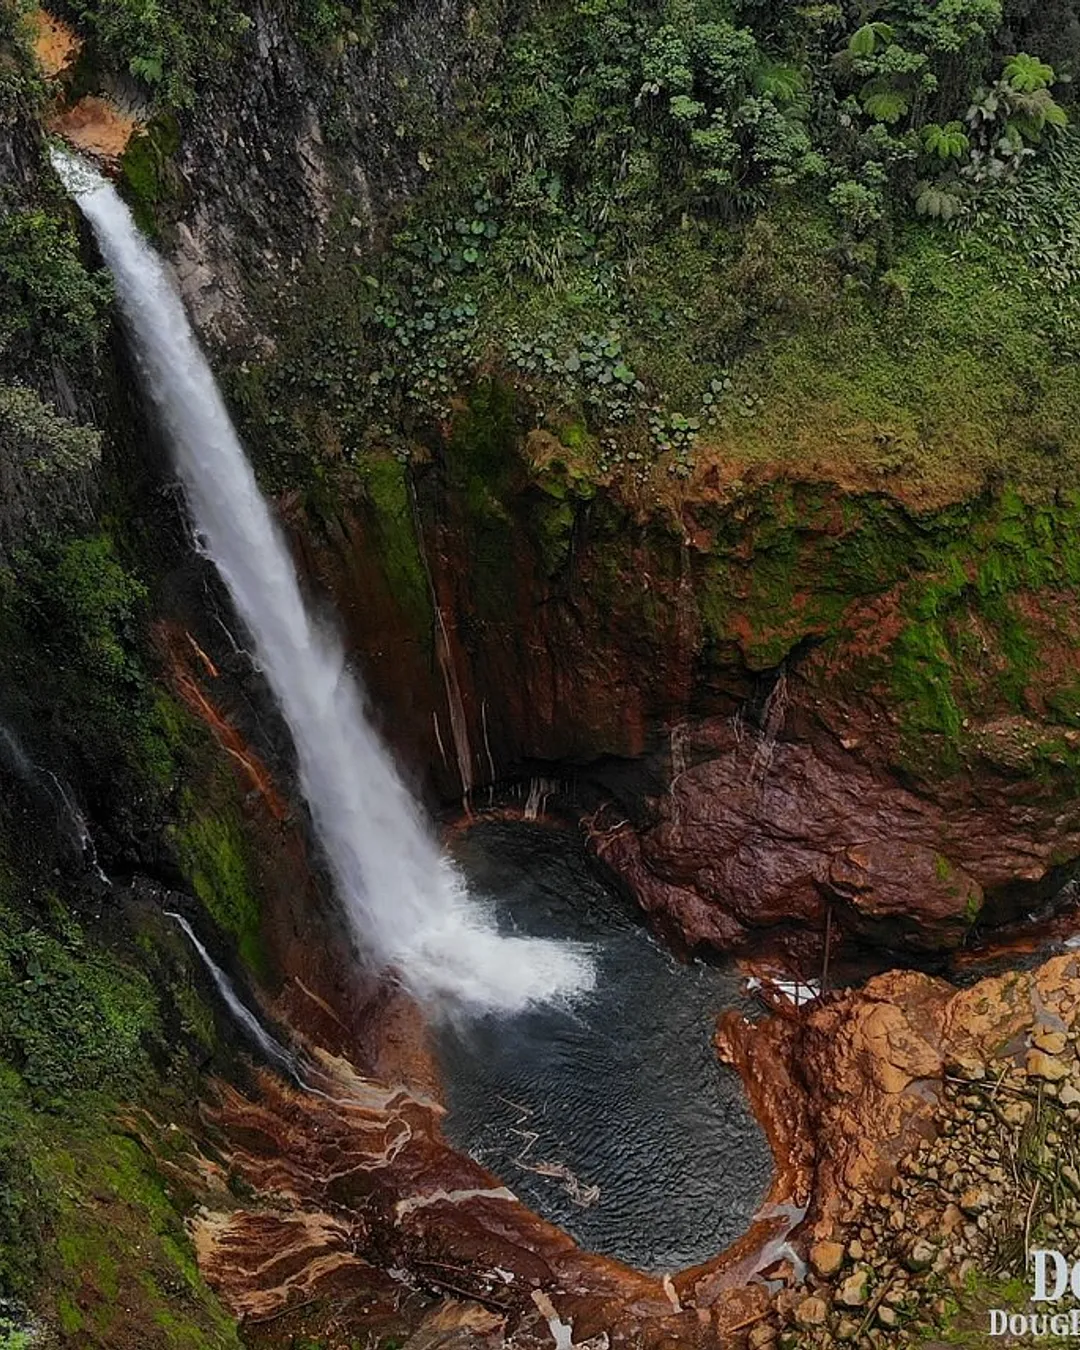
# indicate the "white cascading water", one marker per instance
pixel 272 1049
pixel 408 907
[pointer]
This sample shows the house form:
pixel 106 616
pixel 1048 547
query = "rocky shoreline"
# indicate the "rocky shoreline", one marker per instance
pixel 975 1094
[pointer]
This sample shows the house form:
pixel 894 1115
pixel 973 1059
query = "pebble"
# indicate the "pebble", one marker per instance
pixel 921 1256
pixel 950 1201
pixel 1016 1113
pixel 812 1312
pixel 975 1199
pixel 1039 1064
pixel 853 1290
pixel 827 1257
pixel 1053 1042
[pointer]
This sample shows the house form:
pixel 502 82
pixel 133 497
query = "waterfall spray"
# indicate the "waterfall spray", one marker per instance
pixel 14 756
pixel 407 905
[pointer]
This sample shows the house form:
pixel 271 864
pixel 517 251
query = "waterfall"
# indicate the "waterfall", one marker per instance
pixel 407 906
pixel 272 1049
pixel 15 758
pixel 80 830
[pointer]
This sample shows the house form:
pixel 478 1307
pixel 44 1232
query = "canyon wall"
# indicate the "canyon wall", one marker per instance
pixel 784 695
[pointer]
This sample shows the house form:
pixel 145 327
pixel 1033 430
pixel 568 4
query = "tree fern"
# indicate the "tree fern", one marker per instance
pixel 882 103
pixel 936 201
pixel 946 142
pixel 784 83
pixel 864 40
pixel 1027 73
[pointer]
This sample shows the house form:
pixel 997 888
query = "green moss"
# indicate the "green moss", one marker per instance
pixel 145 165
pixel 72 635
pixel 482 465
pixel 70 1016
pixel 776 575
pixel 196 1018
pixel 922 677
pixel 82 1252
pixel 967 648
pixel 575 436
pixel 1064 702
pixel 387 486
pixel 71 1320
pixel 553 525
pixel 482 450
pixel 86 1198
pixel 211 848
pixel 95 1243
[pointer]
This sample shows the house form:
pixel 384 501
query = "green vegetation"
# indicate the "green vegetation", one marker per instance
pixel 175 48
pixel 54 309
pixel 70 1017
pixel 72 619
pixel 167 46
pixel 94 1018
pixel 952 618
pixel 387 488
pixel 145 166
pixel 713 234
pixel 21 86
pixel 88 1032
pixel 210 846
pixel 970 646
pixel 77 1199
pixel 48 444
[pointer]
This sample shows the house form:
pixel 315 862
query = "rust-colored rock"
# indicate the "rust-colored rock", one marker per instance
pixel 769 835
pixel 56 45
pixel 95 126
pixel 848 1086
pixel 357 1192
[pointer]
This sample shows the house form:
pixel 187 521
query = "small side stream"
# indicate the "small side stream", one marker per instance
pixel 613 1119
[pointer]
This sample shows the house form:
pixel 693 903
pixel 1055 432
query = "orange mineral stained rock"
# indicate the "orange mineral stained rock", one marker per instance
pixel 55 45
pixel 848 1086
pixel 93 124
pixel 95 127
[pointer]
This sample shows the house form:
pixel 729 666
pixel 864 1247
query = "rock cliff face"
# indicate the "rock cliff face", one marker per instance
pixel 768 756
pixel 788 704
pixel 916 1124
pixel 767 833
pixel 297 151
pixel 515 611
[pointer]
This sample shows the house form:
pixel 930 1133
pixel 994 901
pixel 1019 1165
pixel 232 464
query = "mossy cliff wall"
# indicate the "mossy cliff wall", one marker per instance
pixel 109 1025
pixel 790 637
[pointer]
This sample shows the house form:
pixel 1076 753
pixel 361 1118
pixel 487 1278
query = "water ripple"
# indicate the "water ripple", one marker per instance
pixel 613 1119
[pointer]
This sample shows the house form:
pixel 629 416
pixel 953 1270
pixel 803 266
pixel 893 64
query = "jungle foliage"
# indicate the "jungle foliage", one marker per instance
pixel 679 222
pixel 624 117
